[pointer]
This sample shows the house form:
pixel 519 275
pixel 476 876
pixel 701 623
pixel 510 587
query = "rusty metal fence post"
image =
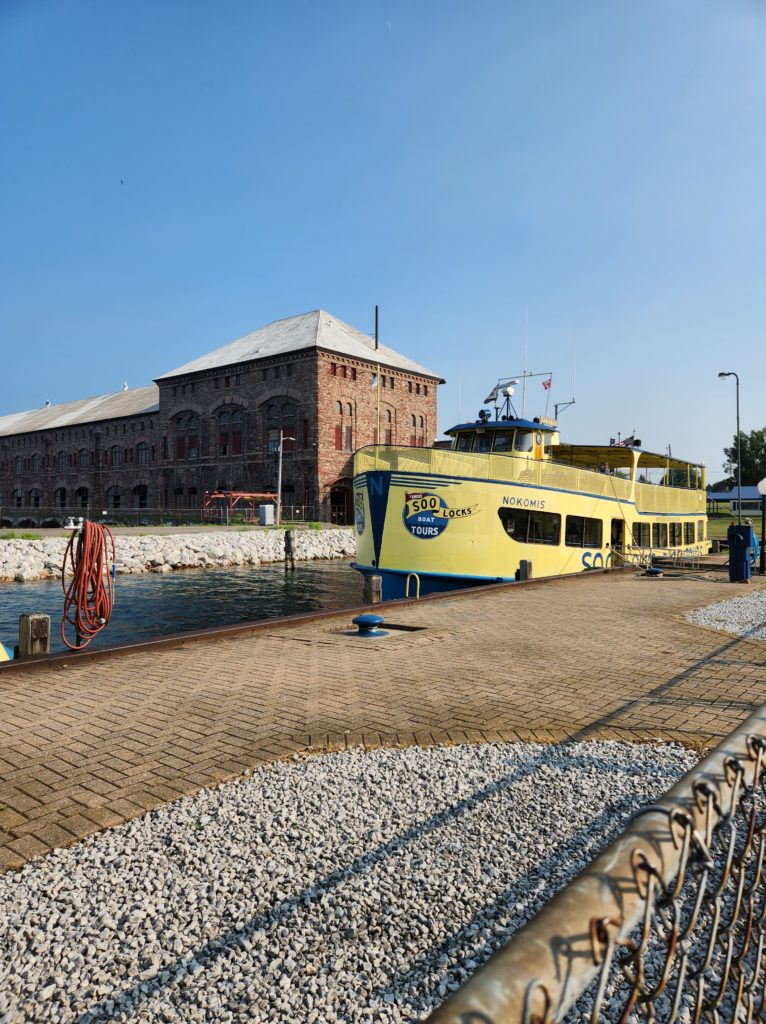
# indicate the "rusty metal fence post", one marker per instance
pixel 668 923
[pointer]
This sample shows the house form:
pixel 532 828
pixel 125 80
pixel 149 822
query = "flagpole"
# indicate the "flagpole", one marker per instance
pixel 377 382
pixel 524 377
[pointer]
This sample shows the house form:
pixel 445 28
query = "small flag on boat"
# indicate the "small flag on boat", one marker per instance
pixel 492 396
pixel 547 383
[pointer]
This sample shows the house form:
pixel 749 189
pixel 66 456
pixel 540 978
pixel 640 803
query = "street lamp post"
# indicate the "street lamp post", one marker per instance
pixel 739 450
pixel 762 492
pixel 282 439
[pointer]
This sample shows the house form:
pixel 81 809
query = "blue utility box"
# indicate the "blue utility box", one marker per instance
pixel 741 547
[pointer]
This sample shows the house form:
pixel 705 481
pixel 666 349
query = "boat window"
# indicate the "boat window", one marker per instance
pixel 531 527
pixel 503 440
pixel 483 441
pixel 688 533
pixel 701 529
pixel 675 535
pixel 659 535
pixel 641 535
pixel 583 532
pixel 464 441
pixel 524 440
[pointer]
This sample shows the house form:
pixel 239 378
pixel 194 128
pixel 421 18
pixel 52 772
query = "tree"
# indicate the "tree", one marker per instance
pixel 722 485
pixel 753 456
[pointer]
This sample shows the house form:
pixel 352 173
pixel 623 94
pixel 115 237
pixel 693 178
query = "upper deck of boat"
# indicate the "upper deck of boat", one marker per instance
pixel 612 472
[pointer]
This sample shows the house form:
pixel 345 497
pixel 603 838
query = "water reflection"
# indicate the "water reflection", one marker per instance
pixel 152 605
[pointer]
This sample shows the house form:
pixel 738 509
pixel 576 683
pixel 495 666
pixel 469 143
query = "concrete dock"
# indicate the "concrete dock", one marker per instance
pixel 89 743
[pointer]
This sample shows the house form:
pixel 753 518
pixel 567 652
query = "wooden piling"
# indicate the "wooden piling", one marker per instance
pixel 373 589
pixel 290 550
pixel 34 634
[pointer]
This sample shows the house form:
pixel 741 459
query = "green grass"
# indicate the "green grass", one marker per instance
pixel 717 526
pixel 12 535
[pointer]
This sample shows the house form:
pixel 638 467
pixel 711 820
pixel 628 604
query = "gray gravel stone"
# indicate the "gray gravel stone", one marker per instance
pixel 347 887
pixel 743 616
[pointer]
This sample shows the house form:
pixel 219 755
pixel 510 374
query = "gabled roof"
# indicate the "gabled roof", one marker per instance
pixel 133 402
pixel 307 330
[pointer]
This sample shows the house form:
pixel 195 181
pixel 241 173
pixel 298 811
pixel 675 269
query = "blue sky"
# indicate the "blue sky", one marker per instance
pixel 176 174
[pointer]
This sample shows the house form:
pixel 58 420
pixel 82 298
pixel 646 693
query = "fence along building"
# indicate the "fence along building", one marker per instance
pixel 215 422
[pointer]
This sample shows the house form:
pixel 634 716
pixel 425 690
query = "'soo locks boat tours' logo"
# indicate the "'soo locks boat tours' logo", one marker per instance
pixel 427 515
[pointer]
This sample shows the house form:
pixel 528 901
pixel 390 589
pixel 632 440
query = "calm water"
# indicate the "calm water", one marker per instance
pixel 151 605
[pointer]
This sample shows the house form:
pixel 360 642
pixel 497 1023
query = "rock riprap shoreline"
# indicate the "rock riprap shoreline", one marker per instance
pixel 343 888
pixel 26 560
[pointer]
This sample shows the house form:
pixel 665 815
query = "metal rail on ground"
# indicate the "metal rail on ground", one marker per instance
pixel 667 924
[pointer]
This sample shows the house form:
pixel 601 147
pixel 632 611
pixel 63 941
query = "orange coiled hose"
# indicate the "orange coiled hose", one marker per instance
pixel 89 596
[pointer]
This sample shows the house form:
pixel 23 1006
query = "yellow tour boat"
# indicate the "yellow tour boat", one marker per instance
pixel 509 500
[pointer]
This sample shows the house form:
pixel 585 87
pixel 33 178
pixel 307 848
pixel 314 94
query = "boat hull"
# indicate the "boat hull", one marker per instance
pixel 396 584
pixel 450 521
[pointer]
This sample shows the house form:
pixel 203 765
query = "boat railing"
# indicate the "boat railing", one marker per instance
pixel 639 559
pixel 532 472
pixel 660 498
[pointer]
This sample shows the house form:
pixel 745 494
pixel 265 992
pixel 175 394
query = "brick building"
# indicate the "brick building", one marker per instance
pixel 215 422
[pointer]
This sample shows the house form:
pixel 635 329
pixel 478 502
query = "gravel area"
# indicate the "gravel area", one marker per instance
pixel 742 616
pixel 347 887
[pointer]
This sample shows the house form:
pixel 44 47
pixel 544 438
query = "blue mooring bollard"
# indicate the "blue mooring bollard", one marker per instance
pixel 368 625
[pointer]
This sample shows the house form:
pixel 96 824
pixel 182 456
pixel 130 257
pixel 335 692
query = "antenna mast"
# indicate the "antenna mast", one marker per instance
pixel 565 405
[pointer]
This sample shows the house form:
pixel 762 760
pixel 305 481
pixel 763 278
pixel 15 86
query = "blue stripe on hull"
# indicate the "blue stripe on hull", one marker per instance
pixel 394 581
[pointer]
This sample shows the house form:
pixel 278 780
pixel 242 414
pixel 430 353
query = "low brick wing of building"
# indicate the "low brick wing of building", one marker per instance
pixel 214 424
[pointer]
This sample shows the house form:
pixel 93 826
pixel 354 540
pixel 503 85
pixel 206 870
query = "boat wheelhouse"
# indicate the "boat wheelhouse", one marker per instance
pixel 509 500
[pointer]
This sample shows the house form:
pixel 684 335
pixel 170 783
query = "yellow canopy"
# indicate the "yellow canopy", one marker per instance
pixel 614 456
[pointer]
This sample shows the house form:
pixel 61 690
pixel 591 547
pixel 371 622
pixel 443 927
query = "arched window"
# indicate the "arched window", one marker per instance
pixel 142 453
pixel 418 436
pixel 289 426
pixel 281 414
pixel 17 498
pixel 349 409
pixel 230 430
pixel 388 430
pixel 140 495
pixel 81 497
pixel 61 460
pixel 115 458
pixel 186 430
pixel 35 463
pixel 59 497
pixel 34 498
pixel 339 408
pixel 114 497
pixel 84 458
pixel 18 465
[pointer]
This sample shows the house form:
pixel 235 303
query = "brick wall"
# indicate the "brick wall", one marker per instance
pixel 83 467
pixel 219 429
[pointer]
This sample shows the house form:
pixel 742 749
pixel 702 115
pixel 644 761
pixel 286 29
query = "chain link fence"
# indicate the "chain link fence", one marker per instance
pixel 667 924
pixel 57 518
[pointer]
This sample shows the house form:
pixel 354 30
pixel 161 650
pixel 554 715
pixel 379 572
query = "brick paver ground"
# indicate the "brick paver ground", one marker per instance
pixel 608 656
